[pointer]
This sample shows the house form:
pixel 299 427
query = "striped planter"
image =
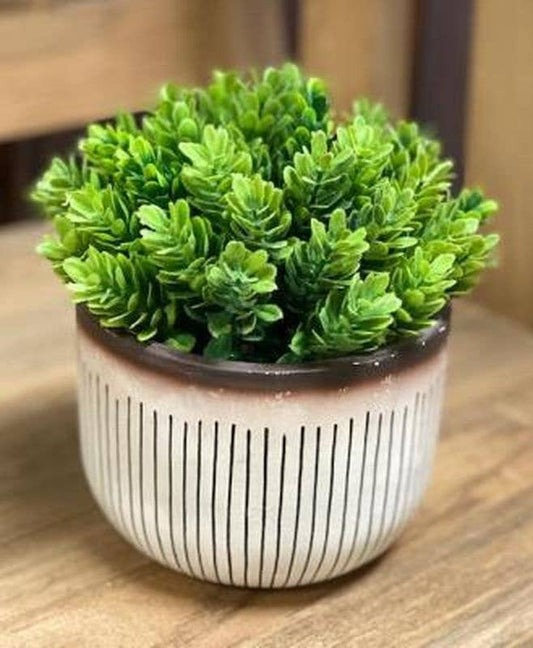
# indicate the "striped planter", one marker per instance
pixel 258 475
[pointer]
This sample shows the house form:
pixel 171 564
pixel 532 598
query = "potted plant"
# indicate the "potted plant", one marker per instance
pixel 262 317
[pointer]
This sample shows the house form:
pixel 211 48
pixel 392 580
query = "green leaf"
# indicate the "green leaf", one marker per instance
pixel 121 291
pixel 269 312
pixel 319 181
pixel 422 282
pixel 208 177
pixel 62 177
pixel 329 259
pixel 257 217
pixel 237 292
pixel 349 320
pixel 179 246
pixel 220 348
pixel 183 342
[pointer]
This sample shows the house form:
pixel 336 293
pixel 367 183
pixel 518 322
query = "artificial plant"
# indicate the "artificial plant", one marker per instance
pixel 242 221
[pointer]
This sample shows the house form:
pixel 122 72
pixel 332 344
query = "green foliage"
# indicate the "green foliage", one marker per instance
pixel 388 215
pixel 371 150
pixel 122 292
pixel 179 246
pixel 52 190
pixel 103 143
pixel 421 283
pixel 256 215
pixel 208 176
pixel 320 181
pixel 351 320
pixel 416 164
pixel 239 221
pixel 102 217
pixel 280 109
pixel 238 294
pixel 175 121
pixel 67 242
pixel 90 216
pixel 454 229
pixel 328 260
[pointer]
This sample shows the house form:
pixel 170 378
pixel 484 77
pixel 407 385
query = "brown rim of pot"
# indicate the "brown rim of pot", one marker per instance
pixel 229 374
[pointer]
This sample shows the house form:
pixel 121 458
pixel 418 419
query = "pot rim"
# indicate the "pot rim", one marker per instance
pixel 269 376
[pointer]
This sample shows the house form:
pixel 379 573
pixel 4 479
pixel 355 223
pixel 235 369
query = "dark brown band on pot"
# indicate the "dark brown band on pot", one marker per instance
pixel 320 375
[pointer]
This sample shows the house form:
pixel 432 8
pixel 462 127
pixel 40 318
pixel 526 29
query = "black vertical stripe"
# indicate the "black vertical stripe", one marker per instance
pixel 345 500
pixel 421 444
pixel 264 506
pixel 423 413
pixel 184 498
pixel 213 503
pixel 433 407
pixel 99 437
pixel 330 501
pixel 373 495
pixel 423 431
pixel 87 426
pixel 91 430
pixel 134 531
pixel 110 489
pixel 428 428
pixel 280 510
pixel 247 507
pixel 359 497
pixel 230 498
pixel 141 478
pixel 428 433
pixel 171 491
pixel 156 492
pixel 198 494
pixel 83 409
pixel 313 512
pixel 412 446
pixel 298 504
pixel 387 482
pixel 82 396
pixel 396 505
pixel 119 471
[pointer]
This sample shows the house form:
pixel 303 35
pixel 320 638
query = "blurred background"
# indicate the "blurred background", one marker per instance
pixel 461 66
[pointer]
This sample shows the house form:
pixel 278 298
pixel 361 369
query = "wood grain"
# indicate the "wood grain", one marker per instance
pixel 362 47
pixel 499 147
pixel 66 63
pixel 461 575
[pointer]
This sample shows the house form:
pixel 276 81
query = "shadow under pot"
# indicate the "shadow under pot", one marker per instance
pixel 258 475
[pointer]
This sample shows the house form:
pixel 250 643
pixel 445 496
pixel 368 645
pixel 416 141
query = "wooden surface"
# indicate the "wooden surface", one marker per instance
pixel 362 47
pixel 66 62
pixel 499 146
pixel 460 576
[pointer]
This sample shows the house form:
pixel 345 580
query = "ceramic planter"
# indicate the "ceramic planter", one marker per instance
pixel 258 475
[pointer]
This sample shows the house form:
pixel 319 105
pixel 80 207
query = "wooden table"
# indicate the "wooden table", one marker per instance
pixel 461 575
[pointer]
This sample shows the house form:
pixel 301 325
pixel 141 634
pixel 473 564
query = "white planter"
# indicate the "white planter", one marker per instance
pixel 258 475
